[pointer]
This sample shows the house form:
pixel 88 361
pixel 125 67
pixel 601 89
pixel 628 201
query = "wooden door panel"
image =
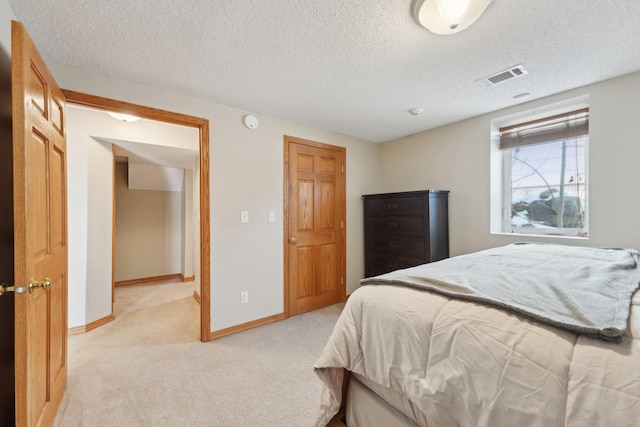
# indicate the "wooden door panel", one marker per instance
pixel 37 172
pixel 305 205
pixel 327 206
pixel 305 271
pixel 328 282
pixel 57 113
pixel 38 391
pixel 315 225
pixel 56 184
pixel 37 90
pixel 327 165
pixel 40 241
pixel 58 314
pixel 305 162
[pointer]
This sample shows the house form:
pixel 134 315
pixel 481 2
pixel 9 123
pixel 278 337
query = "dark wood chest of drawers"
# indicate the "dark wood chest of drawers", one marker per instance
pixel 406 229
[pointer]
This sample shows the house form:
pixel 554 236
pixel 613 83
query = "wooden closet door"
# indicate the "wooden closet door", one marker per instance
pixel 315 233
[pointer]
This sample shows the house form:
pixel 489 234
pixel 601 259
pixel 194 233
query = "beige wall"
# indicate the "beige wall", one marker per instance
pixel 247 174
pixel 456 158
pixel 148 230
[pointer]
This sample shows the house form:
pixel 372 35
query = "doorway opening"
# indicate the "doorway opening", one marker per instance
pixel 202 127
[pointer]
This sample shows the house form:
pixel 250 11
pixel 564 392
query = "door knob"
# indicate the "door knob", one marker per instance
pixel 44 284
pixel 294 240
pixel 4 288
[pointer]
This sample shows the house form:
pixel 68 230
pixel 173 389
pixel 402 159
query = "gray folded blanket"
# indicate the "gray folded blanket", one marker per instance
pixel 584 290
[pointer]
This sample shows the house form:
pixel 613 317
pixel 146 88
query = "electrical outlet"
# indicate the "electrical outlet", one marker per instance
pixel 244 297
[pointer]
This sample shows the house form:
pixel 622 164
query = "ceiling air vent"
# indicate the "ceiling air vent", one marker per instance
pixel 503 76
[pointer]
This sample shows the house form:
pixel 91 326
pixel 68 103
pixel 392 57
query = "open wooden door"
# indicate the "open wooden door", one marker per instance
pixel 314 225
pixel 40 234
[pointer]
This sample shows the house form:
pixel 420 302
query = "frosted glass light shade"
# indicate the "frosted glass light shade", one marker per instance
pixel 449 16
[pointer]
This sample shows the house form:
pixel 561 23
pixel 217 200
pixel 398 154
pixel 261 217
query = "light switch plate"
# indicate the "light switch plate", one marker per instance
pixel 272 217
pixel 244 216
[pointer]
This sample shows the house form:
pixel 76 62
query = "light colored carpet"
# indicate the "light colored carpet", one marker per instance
pixel 148 368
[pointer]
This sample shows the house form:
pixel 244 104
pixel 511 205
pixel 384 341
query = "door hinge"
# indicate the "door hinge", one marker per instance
pixel 342 280
pixel 341 224
pixel 342 168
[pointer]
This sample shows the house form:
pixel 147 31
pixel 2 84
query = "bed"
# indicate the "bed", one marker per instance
pixel 521 335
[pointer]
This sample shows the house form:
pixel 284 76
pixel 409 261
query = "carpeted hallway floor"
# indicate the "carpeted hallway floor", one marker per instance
pixel 148 367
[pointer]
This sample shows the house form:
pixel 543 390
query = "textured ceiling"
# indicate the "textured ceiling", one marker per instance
pixel 353 67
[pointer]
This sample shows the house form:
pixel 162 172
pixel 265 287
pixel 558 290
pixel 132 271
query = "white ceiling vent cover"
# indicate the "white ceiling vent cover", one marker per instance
pixel 502 76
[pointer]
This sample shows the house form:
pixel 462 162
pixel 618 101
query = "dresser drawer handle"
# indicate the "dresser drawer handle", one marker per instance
pixel 393 224
pixel 392 206
pixel 393 243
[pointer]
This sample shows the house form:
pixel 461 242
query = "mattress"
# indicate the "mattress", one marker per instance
pixel 441 361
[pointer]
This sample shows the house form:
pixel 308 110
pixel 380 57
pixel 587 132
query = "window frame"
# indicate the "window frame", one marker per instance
pixel 500 173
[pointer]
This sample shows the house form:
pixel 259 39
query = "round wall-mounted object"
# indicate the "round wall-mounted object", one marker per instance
pixel 250 121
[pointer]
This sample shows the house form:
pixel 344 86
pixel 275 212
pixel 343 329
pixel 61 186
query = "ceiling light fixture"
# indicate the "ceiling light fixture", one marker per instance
pixel 123 117
pixel 446 17
pixel 522 95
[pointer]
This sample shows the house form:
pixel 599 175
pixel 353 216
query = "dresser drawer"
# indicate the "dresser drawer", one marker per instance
pixel 378 263
pixel 398 245
pixel 409 206
pixel 396 226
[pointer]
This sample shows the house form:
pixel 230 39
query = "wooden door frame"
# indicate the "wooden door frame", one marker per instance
pixel 106 104
pixel 342 205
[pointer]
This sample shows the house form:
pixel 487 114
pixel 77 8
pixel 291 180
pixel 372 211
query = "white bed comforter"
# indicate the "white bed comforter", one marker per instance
pixel 465 364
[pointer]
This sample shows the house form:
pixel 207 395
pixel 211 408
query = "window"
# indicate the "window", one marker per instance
pixel 545 182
